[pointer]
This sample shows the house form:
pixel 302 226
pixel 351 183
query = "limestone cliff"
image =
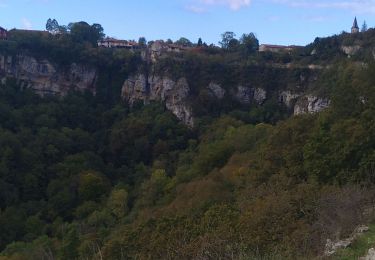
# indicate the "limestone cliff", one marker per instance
pixel 176 95
pixel 154 88
pixel 288 98
pixel 45 77
pixel 247 95
pixel 350 50
pixel 310 104
pixel 216 90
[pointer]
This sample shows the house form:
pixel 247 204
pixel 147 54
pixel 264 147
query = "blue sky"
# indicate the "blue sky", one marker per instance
pixel 273 21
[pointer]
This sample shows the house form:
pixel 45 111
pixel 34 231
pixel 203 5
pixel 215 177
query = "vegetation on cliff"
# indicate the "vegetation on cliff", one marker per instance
pixel 87 177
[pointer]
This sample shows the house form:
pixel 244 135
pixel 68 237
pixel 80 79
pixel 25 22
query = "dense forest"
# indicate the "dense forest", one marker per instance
pixel 88 177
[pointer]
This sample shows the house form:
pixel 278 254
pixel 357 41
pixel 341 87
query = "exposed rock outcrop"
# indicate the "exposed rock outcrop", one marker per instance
pixel 245 95
pixel 135 88
pixel 310 104
pixel 350 50
pixel 216 90
pixel 173 93
pixel 332 247
pixel 260 95
pixel 370 255
pixel 288 98
pixel 45 77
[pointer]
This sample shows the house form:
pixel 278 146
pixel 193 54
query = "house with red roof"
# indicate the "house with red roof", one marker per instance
pixel 3 33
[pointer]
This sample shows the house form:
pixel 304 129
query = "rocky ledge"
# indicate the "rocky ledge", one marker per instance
pixel 310 104
pixel 45 77
pixel 173 93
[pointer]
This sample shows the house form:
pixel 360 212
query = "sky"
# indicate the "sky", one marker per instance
pixel 286 22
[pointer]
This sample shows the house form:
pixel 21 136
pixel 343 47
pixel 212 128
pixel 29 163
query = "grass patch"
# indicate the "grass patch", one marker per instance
pixel 359 247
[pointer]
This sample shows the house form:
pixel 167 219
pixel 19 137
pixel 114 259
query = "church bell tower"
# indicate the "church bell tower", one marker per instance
pixel 355 28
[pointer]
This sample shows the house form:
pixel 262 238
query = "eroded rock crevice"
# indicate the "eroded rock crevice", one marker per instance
pixel 47 78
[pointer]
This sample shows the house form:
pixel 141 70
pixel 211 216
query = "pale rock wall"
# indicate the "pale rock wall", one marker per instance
pixel 246 95
pixel 216 90
pixel 45 77
pixel 350 50
pixel 154 88
pixel 134 88
pixel 260 95
pixel 310 104
pixel 288 98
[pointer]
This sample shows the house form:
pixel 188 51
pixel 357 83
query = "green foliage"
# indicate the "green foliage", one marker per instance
pixel 83 32
pixel 360 246
pixel 92 186
pixel 184 42
pixel 84 177
pixel 142 41
pixel 57 166
pixel 52 26
pixel 250 43
pixel 118 203
pixel 69 244
pixel 227 39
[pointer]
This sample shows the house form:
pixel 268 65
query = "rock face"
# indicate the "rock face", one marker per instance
pixel 332 247
pixel 288 98
pixel 350 50
pixel 370 255
pixel 134 88
pixel 245 95
pixel 260 95
pixel 310 104
pixel 173 93
pixel 45 77
pixel 216 90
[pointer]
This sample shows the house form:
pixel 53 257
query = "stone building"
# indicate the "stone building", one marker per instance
pixel 160 47
pixel 355 28
pixel 277 48
pixel 3 33
pixel 114 43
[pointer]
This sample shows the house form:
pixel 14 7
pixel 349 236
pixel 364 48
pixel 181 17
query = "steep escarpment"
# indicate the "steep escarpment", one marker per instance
pixel 310 104
pixel 105 177
pixel 180 94
pixel 174 94
pixel 45 77
pixel 187 95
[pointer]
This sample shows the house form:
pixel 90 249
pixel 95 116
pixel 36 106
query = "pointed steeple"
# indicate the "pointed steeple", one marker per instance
pixel 355 24
pixel 355 28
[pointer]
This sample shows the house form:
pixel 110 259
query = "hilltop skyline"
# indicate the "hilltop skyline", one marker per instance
pixel 284 22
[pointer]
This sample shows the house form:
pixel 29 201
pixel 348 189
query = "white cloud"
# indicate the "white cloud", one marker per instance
pixel 201 6
pixel 26 24
pixel 357 6
pixel 232 4
pixel 195 9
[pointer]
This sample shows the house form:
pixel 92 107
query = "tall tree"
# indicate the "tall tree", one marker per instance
pixel 200 42
pixel 83 32
pixel 98 30
pixel 52 26
pixel 184 42
pixel 364 26
pixel 226 39
pixel 142 41
pixel 49 24
pixel 249 43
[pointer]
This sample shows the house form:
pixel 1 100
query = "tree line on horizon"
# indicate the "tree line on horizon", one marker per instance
pixel 95 32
